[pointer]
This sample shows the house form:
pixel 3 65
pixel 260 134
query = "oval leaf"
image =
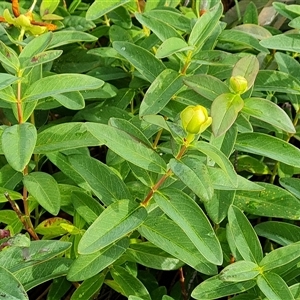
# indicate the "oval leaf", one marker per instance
pixel 162 89
pixel 240 271
pixel 18 142
pixel 104 182
pixel 115 222
pixel 268 112
pixel 215 288
pixel 274 287
pixel 207 86
pixel 44 189
pixel 276 81
pixel 269 146
pixel 224 112
pixel 144 61
pixel 280 232
pixel 100 8
pixel 248 67
pixel 273 201
pixel 219 158
pixel 195 175
pixel 10 287
pixel 129 284
pixel 160 232
pixel 244 236
pixel 86 266
pixel 60 83
pixel 184 211
pixel 128 147
pixel 64 136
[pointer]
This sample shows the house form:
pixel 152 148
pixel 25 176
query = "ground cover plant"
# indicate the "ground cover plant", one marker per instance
pixel 149 150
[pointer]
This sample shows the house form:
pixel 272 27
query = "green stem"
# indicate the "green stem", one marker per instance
pixel 162 179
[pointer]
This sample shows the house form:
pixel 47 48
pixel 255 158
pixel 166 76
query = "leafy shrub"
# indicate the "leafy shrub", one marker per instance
pixel 110 172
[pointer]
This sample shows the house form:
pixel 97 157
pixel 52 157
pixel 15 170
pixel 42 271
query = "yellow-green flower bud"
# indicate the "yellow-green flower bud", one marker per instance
pixel 195 119
pixel 238 84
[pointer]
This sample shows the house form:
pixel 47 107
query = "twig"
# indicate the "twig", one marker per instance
pixel 27 225
pixel 182 284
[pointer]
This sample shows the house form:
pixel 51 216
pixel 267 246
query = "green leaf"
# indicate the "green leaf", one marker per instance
pixel 240 271
pixel 104 182
pixel 144 61
pixel 251 14
pixel 170 46
pixel 276 81
pixel 218 206
pixel 160 232
pixel 9 57
pixel 207 86
pixel 128 147
pixel 89 287
pixel 244 235
pixel 274 287
pixel 9 177
pixel 130 129
pixel 71 100
pixel 44 189
pixel 64 136
pixel 285 42
pixel 34 47
pixel 280 232
pixel 6 80
pixel 86 266
pixel 48 7
pixel 276 260
pixel 128 284
pixel 100 8
pixel 60 38
pixel 204 26
pixel 59 287
pixel 221 181
pixel 224 111
pixel 116 221
pixel 18 142
pixel 239 38
pixel 13 258
pixel 152 257
pixel 287 64
pixel 273 201
pixel 251 165
pixel 60 83
pixel 41 58
pixel 268 112
pixel 86 206
pixel 184 211
pixel 61 161
pixel 7 94
pixel 160 28
pixel 33 275
pixel 214 288
pixel 172 17
pixel 52 227
pixel 219 158
pixel 292 185
pixel 248 67
pixel 162 89
pixel 194 174
pixel 269 146
pixel 11 288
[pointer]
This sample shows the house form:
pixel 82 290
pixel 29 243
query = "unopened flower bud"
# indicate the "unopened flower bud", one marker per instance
pixel 195 119
pixel 238 84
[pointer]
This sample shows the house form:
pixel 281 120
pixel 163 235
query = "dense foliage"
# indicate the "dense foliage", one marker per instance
pixel 149 149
